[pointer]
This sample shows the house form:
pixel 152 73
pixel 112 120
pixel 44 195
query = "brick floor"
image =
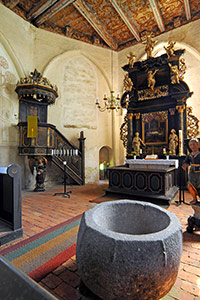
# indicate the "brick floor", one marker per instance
pixel 43 210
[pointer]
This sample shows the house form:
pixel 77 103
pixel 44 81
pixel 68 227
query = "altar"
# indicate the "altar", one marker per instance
pixel 145 179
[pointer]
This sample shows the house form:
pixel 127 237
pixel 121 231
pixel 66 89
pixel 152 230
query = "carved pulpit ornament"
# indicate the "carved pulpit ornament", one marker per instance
pixel 37 87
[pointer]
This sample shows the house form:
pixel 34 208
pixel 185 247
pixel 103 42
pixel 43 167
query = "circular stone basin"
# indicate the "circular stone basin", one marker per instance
pixel 129 250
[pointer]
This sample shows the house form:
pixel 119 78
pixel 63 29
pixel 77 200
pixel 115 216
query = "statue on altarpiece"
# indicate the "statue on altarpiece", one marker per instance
pixel 136 143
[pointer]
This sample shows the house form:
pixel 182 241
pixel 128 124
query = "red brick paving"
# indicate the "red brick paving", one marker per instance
pixel 43 210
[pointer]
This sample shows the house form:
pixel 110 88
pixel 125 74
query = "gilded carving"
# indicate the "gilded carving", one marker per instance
pixel 136 143
pixel 158 92
pixel 192 124
pixel 155 128
pixel 137 116
pixel 149 44
pixel 131 58
pixel 173 142
pixel 180 108
pixel 36 78
pixel 170 49
pixel 124 131
pixel 182 67
pixel 174 72
pixel 128 84
pixel 161 115
pixel 151 79
pixel 130 116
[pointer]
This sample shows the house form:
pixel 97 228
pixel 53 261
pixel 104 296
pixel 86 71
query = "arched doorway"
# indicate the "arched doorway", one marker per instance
pixel 104 161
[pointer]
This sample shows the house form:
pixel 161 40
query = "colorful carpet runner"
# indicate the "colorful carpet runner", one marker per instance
pixel 45 251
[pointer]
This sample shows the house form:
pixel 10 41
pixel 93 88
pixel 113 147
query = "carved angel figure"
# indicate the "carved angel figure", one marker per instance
pixel 173 142
pixel 149 45
pixel 151 79
pixel 170 49
pixel 182 67
pixel 131 58
pixel 128 84
pixel 175 75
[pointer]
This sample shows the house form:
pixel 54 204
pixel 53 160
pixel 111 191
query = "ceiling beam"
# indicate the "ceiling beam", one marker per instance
pixel 132 28
pixel 11 3
pixel 39 9
pixel 95 23
pixel 187 9
pixel 157 14
pixel 51 10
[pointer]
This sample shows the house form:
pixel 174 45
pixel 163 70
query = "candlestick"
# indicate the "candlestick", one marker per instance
pixel 180 133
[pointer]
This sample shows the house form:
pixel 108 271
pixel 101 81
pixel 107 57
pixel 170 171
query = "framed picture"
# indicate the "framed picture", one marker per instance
pixel 155 128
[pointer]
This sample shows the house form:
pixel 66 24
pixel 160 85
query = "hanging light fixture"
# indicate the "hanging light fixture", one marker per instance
pixel 111 102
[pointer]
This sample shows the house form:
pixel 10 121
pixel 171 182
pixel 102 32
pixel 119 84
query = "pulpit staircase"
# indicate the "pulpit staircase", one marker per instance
pixel 74 163
pixel 52 144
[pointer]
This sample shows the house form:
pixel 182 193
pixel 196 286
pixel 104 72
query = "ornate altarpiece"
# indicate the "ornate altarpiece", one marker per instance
pixel 154 111
pixel 156 101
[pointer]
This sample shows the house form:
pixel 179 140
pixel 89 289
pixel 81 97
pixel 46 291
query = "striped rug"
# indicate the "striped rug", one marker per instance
pixel 45 251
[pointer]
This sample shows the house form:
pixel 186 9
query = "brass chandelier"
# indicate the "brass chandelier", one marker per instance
pixel 111 102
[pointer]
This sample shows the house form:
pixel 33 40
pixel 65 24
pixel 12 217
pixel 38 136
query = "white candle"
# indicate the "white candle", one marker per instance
pixel 180 134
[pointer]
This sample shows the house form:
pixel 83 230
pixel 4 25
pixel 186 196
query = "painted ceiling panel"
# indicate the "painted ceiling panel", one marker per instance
pixel 171 9
pixel 113 24
pixel 69 16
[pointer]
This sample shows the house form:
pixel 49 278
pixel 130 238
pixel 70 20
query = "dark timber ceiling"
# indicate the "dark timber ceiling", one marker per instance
pixel 115 24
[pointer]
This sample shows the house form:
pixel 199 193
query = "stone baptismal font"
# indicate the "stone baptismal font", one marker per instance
pixel 128 250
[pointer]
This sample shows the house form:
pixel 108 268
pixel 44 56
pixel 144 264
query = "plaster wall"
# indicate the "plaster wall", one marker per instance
pixel 81 72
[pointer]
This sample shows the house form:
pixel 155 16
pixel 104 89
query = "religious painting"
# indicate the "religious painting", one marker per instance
pixel 155 128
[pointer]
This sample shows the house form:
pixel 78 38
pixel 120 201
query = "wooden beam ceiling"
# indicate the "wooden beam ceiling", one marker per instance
pixel 11 3
pixel 136 18
pixel 49 11
pixel 35 11
pixel 95 23
pixel 132 28
pixel 187 9
pixel 157 14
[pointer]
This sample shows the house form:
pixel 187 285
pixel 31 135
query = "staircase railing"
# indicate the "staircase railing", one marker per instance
pixel 50 142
